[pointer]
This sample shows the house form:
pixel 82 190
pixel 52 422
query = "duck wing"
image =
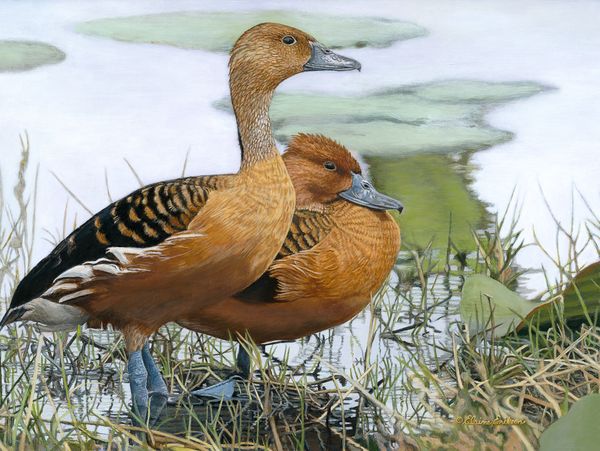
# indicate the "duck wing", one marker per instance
pixel 308 228
pixel 145 218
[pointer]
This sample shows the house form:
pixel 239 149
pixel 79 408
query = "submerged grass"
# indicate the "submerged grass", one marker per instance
pixel 416 380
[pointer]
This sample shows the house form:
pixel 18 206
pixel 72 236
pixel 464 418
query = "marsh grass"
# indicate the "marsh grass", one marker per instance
pixel 409 382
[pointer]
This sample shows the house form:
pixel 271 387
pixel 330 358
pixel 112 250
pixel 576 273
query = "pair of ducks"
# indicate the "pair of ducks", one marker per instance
pixel 282 249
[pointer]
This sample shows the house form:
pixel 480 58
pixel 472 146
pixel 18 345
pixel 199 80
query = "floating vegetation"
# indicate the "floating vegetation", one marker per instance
pixel 474 91
pixel 577 429
pixel 18 56
pixel 440 117
pixel 217 31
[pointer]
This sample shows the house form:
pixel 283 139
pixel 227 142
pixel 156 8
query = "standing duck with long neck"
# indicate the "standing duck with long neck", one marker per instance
pixel 172 248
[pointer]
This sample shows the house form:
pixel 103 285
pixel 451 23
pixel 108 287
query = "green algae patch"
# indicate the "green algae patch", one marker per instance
pixel 434 190
pixel 217 31
pixel 17 56
pixel 437 117
pixel 477 91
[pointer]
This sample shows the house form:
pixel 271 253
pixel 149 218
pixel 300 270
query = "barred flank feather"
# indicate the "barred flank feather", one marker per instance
pixel 307 229
pixel 143 219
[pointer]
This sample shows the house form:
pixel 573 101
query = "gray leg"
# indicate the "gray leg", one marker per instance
pixel 138 378
pixel 155 384
pixel 243 362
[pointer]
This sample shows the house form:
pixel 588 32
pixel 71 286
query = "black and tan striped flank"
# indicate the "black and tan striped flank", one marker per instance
pixel 145 218
pixel 307 229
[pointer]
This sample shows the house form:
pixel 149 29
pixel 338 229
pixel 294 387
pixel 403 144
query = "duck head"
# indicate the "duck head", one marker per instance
pixel 323 171
pixel 274 52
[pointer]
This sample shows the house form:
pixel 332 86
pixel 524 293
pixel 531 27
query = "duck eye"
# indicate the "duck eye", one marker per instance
pixel 289 40
pixel 330 166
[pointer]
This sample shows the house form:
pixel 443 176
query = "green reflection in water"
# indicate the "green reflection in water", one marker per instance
pixel 217 31
pixel 432 187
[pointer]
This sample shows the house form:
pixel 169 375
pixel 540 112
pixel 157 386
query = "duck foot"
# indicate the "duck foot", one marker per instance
pixel 226 389
pixel 157 403
pixel 223 390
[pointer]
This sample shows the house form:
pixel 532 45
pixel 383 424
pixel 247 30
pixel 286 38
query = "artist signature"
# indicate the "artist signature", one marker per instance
pixel 471 420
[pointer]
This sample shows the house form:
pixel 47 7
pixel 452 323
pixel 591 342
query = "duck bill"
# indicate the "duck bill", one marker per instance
pixel 362 193
pixel 322 58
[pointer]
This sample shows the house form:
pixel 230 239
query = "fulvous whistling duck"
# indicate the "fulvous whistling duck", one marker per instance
pixel 172 248
pixel 341 247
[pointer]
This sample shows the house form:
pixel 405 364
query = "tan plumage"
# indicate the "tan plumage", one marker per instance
pixel 336 256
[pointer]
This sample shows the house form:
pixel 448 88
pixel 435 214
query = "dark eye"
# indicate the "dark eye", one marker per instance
pixel 330 166
pixel 289 40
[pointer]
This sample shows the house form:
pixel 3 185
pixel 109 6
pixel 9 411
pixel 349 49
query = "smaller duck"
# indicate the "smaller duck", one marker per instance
pixel 341 247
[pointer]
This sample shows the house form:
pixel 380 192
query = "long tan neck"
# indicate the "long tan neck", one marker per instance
pixel 251 99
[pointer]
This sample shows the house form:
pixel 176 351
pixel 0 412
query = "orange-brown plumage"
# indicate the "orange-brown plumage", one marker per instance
pixel 335 258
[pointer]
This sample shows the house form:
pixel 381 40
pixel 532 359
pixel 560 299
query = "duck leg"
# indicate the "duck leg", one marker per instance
pixel 155 382
pixel 138 380
pixel 157 388
pixel 243 362
pixel 224 390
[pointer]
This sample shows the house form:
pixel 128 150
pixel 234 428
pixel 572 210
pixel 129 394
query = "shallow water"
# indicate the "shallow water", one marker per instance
pixel 109 100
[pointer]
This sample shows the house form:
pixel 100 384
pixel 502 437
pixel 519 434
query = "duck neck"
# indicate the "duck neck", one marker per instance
pixel 251 102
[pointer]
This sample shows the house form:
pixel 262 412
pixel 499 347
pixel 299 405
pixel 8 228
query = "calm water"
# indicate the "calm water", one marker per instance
pixel 108 101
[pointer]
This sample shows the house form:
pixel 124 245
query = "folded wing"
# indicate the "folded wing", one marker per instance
pixel 145 218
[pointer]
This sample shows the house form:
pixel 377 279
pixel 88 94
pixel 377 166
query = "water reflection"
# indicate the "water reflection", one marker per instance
pixel 436 190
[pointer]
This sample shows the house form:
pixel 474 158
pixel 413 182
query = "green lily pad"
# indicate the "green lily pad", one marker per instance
pixel 433 117
pixel 482 295
pixel 217 31
pixel 581 299
pixel 487 305
pixel 577 430
pixel 580 302
pixel 433 188
pixel 396 106
pixel 17 56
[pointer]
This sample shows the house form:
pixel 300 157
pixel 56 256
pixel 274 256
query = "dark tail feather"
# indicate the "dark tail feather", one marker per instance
pixel 11 315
